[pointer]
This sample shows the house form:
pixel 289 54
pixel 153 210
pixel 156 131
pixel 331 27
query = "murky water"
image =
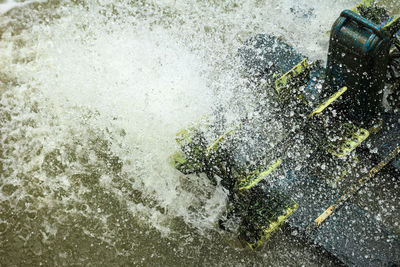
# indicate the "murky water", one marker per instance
pixel 91 96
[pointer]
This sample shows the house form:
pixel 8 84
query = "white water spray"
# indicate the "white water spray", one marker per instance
pixel 91 101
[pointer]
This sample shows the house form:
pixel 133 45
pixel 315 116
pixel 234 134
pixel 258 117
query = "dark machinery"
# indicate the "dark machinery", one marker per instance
pixel 337 122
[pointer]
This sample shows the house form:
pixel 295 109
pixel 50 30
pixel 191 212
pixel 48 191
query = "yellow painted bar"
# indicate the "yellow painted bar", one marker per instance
pixel 355 188
pixel 185 135
pixel 177 158
pixel 249 183
pixel 330 100
pixel 214 145
pixel 388 25
pixel 296 70
pixel 350 144
pixel 272 227
pixel 365 3
pixel 324 215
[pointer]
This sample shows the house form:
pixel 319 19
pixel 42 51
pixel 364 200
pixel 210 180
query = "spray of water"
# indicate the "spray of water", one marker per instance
pixel 91 96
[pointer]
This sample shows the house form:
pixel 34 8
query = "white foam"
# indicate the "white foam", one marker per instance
pixel 147 71
pixel 7 5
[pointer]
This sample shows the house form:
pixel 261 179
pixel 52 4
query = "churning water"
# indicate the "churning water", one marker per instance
pixel 91 96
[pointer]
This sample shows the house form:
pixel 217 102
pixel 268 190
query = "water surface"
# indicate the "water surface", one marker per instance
pixel 91 96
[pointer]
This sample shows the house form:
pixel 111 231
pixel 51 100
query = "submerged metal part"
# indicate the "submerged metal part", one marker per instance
pixel 330 123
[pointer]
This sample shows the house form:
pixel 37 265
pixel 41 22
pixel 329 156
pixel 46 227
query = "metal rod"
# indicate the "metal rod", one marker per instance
pixel 353 190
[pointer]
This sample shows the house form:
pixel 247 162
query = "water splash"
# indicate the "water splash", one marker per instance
pixel 91 96
pixel 7 5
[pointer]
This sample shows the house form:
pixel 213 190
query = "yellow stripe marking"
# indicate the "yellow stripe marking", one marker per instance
pixel 248 183
pixel 393 21
pixel 272 227
pixel 324 215
pixel 214 146
pixel 296 70
pixel 355 188
pixel 350 144
pixel 330 100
